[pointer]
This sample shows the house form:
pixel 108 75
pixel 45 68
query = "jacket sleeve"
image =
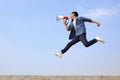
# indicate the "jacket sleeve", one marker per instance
pixel 86 19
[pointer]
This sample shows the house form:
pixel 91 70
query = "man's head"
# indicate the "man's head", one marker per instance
pixel 74 15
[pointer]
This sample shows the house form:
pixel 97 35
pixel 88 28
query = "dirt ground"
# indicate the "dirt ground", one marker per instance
pixel 59 77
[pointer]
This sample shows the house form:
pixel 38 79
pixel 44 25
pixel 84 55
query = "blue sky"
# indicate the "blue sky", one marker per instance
pixel 30 34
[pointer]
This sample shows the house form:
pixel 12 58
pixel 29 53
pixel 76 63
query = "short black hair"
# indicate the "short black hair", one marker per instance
pixel 75 13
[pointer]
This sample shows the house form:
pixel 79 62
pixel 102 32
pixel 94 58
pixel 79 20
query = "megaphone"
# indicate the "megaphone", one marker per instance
pixel 59 17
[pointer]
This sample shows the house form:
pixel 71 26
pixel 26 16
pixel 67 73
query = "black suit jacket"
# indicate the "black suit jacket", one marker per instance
pixel 72 33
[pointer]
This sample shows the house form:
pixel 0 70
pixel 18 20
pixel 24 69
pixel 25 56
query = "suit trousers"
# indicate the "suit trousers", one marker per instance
pixel 77 39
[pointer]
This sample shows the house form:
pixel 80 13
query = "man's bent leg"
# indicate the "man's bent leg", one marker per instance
pixel 85 42
pixel 74 41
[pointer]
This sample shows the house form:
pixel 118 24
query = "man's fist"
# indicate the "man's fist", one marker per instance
pixel 98 24
pixel 64 21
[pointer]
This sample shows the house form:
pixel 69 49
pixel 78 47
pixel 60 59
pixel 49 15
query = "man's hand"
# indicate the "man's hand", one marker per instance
pixel 64 21
pixel 97 23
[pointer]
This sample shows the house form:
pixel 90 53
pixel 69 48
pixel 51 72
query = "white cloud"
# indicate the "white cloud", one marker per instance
pixel 98 13
pixel 102 12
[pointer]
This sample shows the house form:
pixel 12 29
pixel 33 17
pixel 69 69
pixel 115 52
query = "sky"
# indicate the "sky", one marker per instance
pixel 30 35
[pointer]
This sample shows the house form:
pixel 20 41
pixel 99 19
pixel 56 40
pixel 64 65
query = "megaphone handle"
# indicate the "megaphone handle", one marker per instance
pixel 67 21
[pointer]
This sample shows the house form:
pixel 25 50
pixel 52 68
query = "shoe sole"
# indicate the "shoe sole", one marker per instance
pixel 58 55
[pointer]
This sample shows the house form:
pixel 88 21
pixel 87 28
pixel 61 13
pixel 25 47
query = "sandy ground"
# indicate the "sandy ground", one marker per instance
pixel 59 77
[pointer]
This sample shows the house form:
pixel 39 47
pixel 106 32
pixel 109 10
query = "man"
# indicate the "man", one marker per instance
pixel 78 32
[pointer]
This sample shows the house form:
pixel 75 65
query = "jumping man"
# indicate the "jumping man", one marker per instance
pixel 78 32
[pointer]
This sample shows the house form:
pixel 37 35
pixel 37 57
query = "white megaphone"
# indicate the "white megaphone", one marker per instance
pixel 59 17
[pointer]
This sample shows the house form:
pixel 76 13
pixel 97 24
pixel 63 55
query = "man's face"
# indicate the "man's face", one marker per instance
pixel 72 16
